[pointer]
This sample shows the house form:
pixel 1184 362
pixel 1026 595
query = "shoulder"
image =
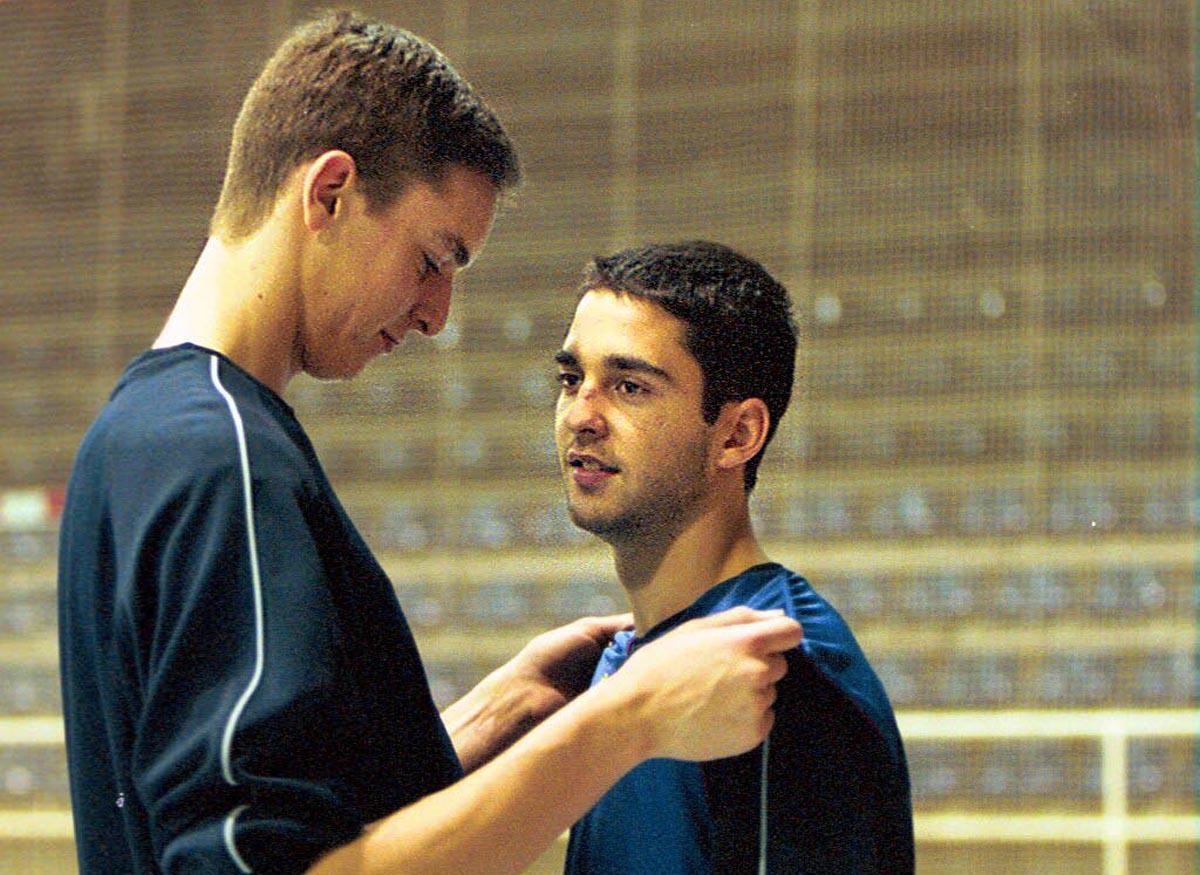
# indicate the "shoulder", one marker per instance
pixel 827 638
pixel 189 414
pixel 773 587
pixel 829 663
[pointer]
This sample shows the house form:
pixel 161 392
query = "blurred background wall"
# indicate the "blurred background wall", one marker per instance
pixel 983 211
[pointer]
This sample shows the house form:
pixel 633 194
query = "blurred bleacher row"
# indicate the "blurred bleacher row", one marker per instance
pixel 1054 680
pixel 1147 364
pixel 1122 632
pixel 522 517
pixel 1147 669
pixel 995 775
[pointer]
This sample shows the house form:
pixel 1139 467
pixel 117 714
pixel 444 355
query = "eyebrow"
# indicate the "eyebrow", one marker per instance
pixel 627 363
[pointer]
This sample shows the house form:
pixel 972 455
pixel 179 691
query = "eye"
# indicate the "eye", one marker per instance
pixel 568 380
pixel 629 387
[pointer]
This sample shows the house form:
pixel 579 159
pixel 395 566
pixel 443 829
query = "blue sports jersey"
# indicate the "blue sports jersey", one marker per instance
pixel 240 688
pixel 836 797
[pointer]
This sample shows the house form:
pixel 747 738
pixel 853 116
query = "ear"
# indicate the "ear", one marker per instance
pixel 326 183
pixel 742 427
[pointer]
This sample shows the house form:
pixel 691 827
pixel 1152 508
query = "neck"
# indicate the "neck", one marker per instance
pixel 240 301
pixel 664 576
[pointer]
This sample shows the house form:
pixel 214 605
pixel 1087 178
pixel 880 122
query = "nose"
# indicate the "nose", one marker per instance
pixel 433 311
pixel 582 413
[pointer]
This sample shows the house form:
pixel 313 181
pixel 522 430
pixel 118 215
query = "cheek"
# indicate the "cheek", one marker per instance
pixel 679 446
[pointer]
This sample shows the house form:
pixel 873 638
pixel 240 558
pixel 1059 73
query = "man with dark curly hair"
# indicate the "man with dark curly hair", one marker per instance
pixel 675 374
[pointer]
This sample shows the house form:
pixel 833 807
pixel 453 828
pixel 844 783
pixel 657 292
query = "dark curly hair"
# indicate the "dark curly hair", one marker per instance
pixel 738 320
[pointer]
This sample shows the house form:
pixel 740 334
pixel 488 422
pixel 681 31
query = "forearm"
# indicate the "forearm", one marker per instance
pixel 500 817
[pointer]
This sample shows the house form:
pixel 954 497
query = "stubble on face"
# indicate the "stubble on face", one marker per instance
pixel 653 508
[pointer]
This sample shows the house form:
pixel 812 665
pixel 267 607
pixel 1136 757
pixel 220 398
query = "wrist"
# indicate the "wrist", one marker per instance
pixel 620 711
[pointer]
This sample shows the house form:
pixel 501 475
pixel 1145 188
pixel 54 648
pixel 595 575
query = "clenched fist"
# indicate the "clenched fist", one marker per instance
pixel 705 690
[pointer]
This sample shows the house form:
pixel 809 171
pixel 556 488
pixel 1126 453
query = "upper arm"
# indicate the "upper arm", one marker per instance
pixel 833 799
pixel 228 621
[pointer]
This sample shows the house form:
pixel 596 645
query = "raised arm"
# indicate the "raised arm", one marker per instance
pixel 704 691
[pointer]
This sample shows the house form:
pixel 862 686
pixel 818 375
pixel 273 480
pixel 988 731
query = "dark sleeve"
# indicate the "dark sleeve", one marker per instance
pixel 240 739
pixel 835 800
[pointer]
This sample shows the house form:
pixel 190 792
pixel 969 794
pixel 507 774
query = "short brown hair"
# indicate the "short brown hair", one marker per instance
pixel 385 96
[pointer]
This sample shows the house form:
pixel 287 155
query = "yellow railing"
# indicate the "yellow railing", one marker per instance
pixel 1114 828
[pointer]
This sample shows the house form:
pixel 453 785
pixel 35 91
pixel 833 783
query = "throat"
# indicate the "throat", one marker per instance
pixel 662 579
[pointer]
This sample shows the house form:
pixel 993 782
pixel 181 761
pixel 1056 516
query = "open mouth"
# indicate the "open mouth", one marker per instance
pixel 587 463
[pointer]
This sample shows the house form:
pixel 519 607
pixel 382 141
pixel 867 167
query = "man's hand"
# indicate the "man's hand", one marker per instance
pixel 556 666
pixel 705 690
pixel 547 673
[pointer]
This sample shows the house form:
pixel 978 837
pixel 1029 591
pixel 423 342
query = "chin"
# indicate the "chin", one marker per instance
pixel 331 376
pixel 338 359
pixel 607 527
pixel 334 370
pixel 597 524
